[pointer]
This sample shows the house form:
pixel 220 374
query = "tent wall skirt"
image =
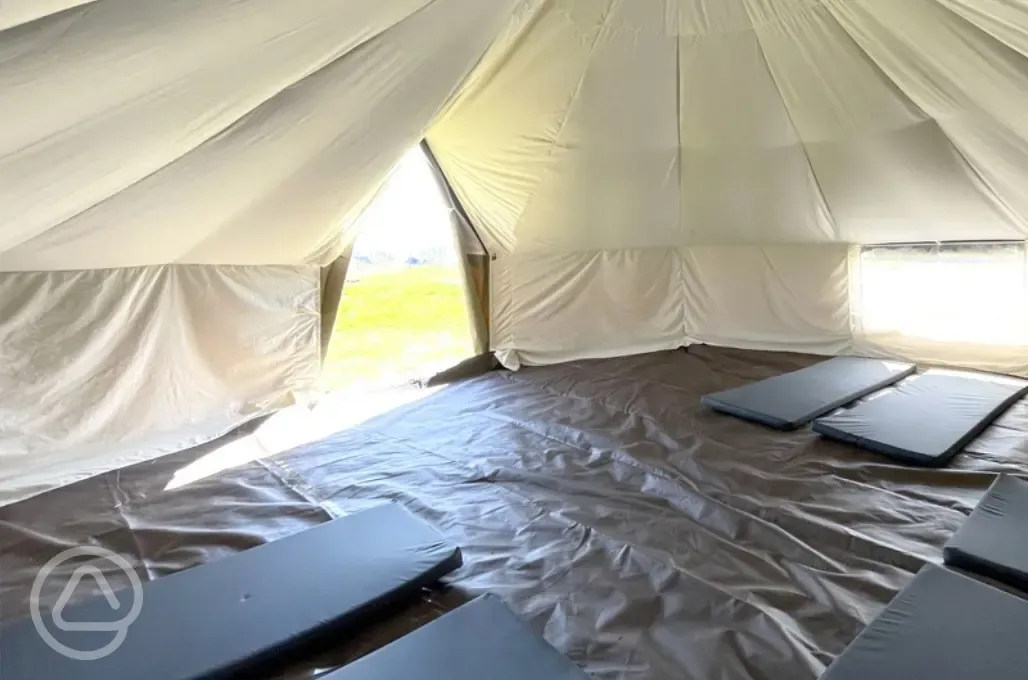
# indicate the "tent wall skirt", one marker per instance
pixel 105 357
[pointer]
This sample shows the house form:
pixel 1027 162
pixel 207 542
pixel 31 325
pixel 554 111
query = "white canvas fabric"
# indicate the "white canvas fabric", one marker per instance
pixel 108 367
pixel 216 132
pixel 591 304
pixel 656 173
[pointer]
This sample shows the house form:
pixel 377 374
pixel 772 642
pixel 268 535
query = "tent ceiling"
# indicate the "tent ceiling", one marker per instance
pixel 212 131
pixel 674 122
pixel 219 132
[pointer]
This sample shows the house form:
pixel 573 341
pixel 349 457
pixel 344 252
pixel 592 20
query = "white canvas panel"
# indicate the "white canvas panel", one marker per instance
pixel 553 308
pixel 615 159
pixel 94 361
pixel 781 297
pixel 998 155
pixel 745 173
pixel 1006 20
pixel 700 17
pixel 111 93
pixel 496 142
pixel 906 185
pixel 973 84
pixel 259 159
pixel 550 308
pixel 19 12
pixel 887 170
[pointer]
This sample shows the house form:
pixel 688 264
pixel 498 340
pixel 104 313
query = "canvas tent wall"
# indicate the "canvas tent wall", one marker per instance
pixel 651 174
pixel 173 178
pixel 644 174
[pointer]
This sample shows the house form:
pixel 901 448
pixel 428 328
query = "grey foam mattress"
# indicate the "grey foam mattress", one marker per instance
pixel 230 615
pixel 789 401
pixel 927 419
pixel 482 639
pixel 993 542
pixel 943 626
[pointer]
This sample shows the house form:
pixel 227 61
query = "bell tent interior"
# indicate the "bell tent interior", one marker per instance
pixel 747 290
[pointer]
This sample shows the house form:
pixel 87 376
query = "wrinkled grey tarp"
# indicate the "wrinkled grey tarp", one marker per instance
pixel 642 534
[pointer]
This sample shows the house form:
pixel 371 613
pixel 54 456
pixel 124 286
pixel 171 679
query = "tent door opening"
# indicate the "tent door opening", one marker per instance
pixel 403 316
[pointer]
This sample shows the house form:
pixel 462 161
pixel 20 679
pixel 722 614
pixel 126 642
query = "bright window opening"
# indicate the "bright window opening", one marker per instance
pixel 971 293
pixel 403 315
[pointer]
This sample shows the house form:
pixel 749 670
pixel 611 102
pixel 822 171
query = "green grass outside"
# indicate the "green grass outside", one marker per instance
pixel 398 326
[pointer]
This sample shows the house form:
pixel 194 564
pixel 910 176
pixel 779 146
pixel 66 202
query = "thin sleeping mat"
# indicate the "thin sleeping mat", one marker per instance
pixel 480 640
pixel 927 419
pixel 789 401
pixel 943 626
pixel 234 615
pixel 993 542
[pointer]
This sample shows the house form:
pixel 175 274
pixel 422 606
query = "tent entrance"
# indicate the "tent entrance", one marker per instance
pixel 403 316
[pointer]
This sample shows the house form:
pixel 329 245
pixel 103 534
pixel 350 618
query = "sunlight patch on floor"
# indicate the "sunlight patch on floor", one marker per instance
pixel 296 426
